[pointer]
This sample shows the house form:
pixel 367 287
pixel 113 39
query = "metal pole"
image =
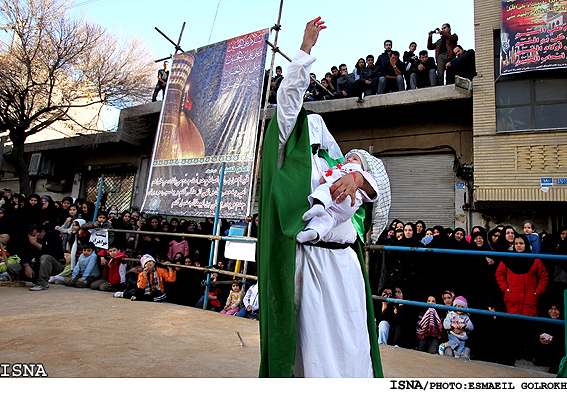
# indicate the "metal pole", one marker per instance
pixel 217 211
pixel 470 310
pixel 98 198
pixel 469 252
pixel 263 125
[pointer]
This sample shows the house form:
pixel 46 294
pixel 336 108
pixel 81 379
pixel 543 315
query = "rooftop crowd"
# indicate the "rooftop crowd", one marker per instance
pixel 391 71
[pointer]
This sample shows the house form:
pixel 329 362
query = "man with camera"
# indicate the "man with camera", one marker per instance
pixel 443 49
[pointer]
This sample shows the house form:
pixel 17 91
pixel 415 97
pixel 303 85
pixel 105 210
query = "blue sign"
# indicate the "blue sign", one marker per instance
pixel 546 182
pixel 562 181
pixel 460 185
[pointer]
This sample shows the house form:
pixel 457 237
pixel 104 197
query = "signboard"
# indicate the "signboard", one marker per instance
pixel 99 238
pixel 546 182
pixel 209 116
pixel 533 35
pixel 561 181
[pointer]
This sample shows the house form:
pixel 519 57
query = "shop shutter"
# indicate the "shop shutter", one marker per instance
pixel 423 187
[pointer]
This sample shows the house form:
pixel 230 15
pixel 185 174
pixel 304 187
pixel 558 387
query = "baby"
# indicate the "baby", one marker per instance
pixel 325 213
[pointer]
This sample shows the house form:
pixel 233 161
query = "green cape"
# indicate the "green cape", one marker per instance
pixel 282 203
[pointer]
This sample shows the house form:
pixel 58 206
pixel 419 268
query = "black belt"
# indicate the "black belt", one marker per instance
pixel 330 245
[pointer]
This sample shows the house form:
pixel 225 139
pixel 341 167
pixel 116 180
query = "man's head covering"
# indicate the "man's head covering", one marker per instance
pixel 374 166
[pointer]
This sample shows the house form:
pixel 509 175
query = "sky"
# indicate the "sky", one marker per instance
pixel 354 30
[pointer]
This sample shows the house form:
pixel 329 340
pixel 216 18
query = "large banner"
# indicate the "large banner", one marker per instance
pixel 209 116
pixel 533 35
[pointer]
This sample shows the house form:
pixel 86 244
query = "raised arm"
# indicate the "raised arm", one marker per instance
pixel 294 85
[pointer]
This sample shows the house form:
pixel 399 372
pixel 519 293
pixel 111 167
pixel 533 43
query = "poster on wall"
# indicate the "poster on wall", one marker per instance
pixel 533 35
pixel 209 116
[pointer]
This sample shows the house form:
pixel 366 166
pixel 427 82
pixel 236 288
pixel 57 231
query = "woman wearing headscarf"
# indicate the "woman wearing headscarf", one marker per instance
pixel 523 281
pixel 506 240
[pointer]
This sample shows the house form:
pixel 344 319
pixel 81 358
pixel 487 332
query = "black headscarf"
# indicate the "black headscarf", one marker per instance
pixel 519 266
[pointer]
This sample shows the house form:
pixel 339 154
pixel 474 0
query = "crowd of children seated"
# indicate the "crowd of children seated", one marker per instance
pixel 49 242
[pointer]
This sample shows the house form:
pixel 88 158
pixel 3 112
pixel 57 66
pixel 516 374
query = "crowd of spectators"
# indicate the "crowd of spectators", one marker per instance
pixel 392 72
pixel 49 242
pixel 525 286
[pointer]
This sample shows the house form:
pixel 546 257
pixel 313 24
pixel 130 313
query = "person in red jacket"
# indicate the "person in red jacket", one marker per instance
pixel 114 271
pixel 523 281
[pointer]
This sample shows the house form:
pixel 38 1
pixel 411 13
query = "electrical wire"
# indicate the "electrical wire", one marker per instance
pixel 214 20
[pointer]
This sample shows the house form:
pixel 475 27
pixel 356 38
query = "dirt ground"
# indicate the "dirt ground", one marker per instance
pixel 86 333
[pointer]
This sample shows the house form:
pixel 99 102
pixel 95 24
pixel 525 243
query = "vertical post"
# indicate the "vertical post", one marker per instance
pixel 215 225
pixel 99 197
pixel 262 127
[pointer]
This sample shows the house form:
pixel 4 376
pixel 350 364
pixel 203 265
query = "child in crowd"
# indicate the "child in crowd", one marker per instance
pixel 250 303
pixel 150 280
pixel 213 297
pixel 429 329
pixel 325 213
pixel 529 231
pixel 458 323
pixel 114 271
pixel 234 300
pixel 133 270
pixel 86 270
pixel 100 223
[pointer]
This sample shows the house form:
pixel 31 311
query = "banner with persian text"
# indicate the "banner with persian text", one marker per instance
pixel 533 35
pixel 209 116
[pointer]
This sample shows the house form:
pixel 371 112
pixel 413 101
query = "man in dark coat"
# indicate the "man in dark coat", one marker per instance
pixel 423 72
pixel 463 65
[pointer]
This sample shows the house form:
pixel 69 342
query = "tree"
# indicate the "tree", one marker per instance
pixel 56 63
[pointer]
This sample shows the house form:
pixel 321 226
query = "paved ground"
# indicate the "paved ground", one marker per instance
pixel 86 333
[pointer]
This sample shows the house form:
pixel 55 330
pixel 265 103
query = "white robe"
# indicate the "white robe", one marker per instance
pixel 330 299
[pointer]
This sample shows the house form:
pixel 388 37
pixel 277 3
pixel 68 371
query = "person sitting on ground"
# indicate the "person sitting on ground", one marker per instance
pixel 344 83
pixel 133 270
pixel 250 303
pixel 114 271
pixel 86 271
pixel 325 213
pixel 150 280
pixel 234 300
pixel 423 72
pixel 458 323
pixel 40 258
pixel 463 65
pixel 392 78
pixel 213 297
pixel 429 329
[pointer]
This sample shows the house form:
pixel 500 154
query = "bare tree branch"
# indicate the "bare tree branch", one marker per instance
pixel 57 63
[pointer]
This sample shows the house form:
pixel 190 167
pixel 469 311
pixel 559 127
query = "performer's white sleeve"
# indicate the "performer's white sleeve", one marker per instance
pixel 372 182
pixel 290 94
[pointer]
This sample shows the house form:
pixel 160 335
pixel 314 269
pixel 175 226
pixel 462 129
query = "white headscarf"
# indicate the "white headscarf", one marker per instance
pixel 381 207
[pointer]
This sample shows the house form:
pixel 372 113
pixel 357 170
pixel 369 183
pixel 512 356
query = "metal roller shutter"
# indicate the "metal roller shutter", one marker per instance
pixel 423 187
